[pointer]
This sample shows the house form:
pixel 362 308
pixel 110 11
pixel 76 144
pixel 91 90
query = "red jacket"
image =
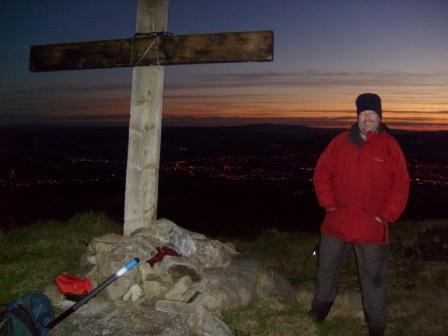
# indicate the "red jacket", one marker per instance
pixel 356 181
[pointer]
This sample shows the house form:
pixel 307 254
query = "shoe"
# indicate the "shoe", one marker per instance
pixel 315 317
pixel 376 331
pixel 319 310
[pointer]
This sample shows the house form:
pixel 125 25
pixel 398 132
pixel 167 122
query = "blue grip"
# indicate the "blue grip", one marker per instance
pixel 128 266
pixel 134 262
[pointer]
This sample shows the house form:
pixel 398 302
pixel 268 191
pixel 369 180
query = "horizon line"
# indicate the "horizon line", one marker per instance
pixel 168 124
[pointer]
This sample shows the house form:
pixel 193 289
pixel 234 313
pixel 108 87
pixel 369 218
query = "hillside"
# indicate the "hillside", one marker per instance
pixel 32 257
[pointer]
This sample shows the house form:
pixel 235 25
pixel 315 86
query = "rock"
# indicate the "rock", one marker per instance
pixel 154 290
pixel 133 294
pixel 173 268
pixel 111 261
pixel 230 287
pixel 178 295
pixel 178 290
pixel 201 321
pixel 304 294
pixel 273 285
pixel 100 245
pixel 175 307
pixel 204 323
pixel 183 242
pixel 105 317
pixel 213 253
pixel 160 232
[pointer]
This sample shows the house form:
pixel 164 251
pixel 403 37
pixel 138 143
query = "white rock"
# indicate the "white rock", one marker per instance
pixel 133 294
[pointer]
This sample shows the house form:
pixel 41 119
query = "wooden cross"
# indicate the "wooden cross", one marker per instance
pixel 148 51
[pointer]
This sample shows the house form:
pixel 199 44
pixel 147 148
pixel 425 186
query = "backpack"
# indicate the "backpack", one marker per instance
pixel 27 316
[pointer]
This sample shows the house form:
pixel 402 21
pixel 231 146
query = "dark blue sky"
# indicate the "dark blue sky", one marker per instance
pixel 326 52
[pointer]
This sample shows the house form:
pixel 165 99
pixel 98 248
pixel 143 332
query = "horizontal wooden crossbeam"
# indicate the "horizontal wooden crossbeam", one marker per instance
pixel 154 49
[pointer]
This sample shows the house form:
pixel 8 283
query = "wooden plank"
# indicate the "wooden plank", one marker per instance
pixel 151 50
pixel 145 128
pixel 218 48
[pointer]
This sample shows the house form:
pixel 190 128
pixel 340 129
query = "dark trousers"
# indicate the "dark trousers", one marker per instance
pixel 372 261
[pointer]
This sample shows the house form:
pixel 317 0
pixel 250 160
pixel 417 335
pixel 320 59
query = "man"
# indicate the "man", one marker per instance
pixel 361 180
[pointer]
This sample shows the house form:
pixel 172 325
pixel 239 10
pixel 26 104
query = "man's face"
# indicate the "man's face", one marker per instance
pixel 368 121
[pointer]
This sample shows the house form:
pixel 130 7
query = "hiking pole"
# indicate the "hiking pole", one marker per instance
pixel 313 253
pixel 93 293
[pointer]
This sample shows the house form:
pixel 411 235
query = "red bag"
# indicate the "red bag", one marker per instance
pixel 71 284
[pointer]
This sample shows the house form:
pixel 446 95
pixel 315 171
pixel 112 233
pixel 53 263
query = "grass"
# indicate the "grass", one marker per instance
pixel 30 258
pixel 418 289
pixel 285 253
pixel 268 317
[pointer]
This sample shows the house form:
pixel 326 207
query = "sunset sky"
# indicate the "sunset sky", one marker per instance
pixel 326 52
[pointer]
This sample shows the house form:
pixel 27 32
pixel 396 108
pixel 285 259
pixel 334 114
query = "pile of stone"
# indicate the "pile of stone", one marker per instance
pixel 188 281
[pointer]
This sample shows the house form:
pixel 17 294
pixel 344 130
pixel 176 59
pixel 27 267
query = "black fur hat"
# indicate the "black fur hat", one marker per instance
pixel 369 101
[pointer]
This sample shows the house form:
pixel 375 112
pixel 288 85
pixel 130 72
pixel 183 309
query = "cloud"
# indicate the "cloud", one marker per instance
pixel 311 79
pixel 50 119
pixel 310 96
pixel 73 89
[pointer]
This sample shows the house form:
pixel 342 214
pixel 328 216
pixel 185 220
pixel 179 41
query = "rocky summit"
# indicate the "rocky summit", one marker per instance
pixel 182 284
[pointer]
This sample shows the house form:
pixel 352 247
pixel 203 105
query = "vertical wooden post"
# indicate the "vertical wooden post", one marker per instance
pixel 145 126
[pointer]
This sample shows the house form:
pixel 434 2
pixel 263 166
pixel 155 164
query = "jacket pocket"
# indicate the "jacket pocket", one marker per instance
pixel 373 230
pixel 335 221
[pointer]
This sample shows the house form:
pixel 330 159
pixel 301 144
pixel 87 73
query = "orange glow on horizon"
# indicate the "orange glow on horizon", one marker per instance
pixel 402 117
pixel 331 107
pixel 410 101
